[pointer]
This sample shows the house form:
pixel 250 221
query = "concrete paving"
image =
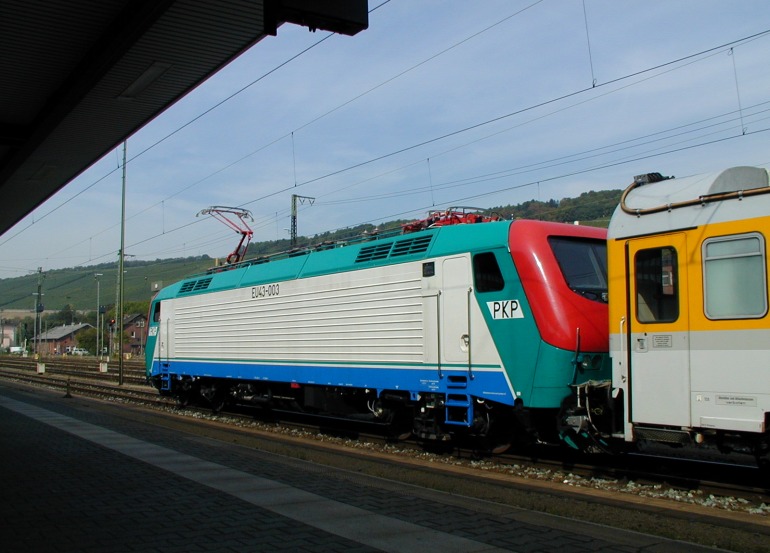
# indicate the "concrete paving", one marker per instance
pixel 86 481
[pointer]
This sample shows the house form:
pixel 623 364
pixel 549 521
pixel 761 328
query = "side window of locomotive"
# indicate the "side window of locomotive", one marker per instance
pixel 657 285
pixel 486 273
pixel 734 277
pixel 583 264
pixel 156 313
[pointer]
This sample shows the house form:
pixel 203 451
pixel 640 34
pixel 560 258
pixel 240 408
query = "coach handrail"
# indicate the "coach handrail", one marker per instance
pixel 700 200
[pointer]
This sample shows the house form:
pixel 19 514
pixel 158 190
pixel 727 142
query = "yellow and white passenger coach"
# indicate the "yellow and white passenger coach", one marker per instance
pixel 688 320
pixel 689 324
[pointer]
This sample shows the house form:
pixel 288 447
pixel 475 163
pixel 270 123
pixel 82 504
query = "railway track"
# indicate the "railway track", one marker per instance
pixel 83 367
pixel 83 376
pixel 732 485
pixel 738 488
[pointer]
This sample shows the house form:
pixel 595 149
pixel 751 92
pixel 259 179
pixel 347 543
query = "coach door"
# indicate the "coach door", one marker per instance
pixel 658 330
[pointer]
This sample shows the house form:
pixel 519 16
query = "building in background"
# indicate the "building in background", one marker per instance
pixel 59 340
pixel 134 335
pixel 7 336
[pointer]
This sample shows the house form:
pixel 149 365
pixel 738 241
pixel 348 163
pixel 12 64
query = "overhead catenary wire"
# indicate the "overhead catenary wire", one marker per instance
pixel 507 174
pixel 563 160
pixel 459 200
pixel 588 41
pixel 531 183
pixel 731 53
pixel 255 81
pixel 731 45
pixel 461 130
pixel 188 123
pixel 526 109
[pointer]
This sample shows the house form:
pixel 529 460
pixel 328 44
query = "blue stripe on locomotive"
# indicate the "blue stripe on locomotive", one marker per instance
pixel 487 382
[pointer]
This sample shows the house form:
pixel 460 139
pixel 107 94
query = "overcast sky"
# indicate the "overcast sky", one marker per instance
pixel 438 103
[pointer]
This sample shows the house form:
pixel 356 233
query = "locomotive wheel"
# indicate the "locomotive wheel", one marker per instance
pixel 501 448
pixel 493 444
pixel 401 425
pixel 401 434
pixel 217 404
pixel 183 393
pixel 495 430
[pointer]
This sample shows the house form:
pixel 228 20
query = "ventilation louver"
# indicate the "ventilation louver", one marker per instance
pixel 195 285
pixel 408 246
pixel 411 246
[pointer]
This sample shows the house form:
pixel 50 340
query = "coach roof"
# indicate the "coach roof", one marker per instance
pixel 675 204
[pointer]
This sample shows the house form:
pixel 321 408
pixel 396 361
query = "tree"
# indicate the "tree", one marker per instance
pixel 26 329
pixel 141 307
pixel 87 340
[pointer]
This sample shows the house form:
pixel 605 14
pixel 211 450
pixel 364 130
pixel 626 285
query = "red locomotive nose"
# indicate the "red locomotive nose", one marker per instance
pixel 563 270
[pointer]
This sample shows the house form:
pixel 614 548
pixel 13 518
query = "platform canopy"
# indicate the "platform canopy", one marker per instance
pixel 80 76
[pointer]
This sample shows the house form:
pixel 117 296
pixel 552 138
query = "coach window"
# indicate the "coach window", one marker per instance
pixel 657 285
pixel 734 277
pixel 486 273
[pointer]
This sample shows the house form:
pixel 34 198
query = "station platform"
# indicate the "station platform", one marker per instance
pixel 86 480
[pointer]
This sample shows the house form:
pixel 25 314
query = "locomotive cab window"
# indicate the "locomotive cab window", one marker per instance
pixel 156 313
pixel 486 273
pixel 583 264
pixel 734 277
pixel 657 285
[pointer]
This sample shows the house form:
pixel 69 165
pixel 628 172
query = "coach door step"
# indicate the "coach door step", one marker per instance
pixel 459 409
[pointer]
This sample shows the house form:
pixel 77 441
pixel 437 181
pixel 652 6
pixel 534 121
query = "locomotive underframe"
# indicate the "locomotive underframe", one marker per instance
pixel 430 416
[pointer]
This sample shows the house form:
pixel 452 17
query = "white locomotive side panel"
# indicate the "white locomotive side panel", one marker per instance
pixel 372 315
pixel 385 315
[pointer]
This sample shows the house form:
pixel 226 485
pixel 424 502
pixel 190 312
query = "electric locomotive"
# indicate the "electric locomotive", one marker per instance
pixel 477 328
pixel 689 325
